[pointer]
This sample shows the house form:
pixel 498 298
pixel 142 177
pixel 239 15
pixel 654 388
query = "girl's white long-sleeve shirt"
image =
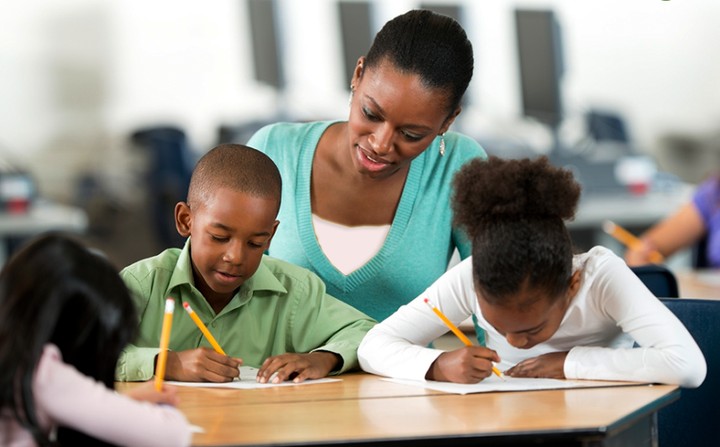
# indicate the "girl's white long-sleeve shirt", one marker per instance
pixel 65 397
pixel 611 310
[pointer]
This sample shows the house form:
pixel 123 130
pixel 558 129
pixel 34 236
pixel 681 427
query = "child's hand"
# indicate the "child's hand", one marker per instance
pixel 465 365
pixel 146 392
pixel 201 365
pixel 549 365
pixel 297 367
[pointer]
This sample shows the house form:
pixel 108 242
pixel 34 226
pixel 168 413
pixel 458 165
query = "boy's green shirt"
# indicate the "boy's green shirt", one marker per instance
pixel 281 308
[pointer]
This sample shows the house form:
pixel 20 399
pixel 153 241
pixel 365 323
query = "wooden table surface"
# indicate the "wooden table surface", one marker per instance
pixel 703 283
pixel 365 409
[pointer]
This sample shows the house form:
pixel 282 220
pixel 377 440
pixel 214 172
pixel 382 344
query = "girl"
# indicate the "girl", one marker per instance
pixel 546 313
pixel 65 315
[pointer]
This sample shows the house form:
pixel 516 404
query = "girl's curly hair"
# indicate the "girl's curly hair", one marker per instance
pixel 514 212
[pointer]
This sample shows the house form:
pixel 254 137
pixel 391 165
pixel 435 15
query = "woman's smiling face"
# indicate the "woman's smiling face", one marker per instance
pixel 393 119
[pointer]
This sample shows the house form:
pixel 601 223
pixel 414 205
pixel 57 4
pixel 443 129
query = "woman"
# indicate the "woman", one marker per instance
pixel 366 202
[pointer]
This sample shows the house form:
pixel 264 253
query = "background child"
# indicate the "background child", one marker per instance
pixel 65 315
pixel 263 312
pixel 696 223
pixel 546 313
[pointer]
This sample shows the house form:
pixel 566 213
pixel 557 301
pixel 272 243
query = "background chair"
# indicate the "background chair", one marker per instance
pixel 168 177
pixel 699 254
pixel 694 420
pixel 659 279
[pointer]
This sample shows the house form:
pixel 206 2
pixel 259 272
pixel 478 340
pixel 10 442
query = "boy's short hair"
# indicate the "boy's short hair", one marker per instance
pixel 238 167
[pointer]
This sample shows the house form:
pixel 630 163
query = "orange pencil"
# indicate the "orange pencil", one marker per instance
pixel 630 240
pixel 203 328
pixel 164 343
pixel 459 333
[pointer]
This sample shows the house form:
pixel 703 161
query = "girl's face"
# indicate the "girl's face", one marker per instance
pixel 529 317
pixel 393 119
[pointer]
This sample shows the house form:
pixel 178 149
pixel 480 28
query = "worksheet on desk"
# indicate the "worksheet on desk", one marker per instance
pixel 247 381
pixel 494 383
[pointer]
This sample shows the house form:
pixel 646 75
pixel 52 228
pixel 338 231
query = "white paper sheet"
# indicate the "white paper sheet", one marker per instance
pixel 247 381
pixel 494 383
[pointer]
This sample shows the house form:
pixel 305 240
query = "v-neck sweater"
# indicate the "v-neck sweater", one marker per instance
pixel 421 239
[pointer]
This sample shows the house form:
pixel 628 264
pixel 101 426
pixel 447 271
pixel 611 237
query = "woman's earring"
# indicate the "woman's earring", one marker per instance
pixel 442 144
pixel 352 91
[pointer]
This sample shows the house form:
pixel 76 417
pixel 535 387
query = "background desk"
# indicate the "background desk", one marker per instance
pixel 627 209
pixel 704 283
pixel 41 217
pixel 365 410
pixel 635 213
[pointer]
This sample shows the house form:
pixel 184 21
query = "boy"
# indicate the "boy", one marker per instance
pixel 263 312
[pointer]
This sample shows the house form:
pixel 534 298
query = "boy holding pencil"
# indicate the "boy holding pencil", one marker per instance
pixel 240 307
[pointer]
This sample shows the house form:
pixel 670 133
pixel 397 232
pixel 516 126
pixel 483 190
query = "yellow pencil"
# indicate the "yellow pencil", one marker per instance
pixel 459 333
pixel 630 240
pixel 203 328
pixel 164 343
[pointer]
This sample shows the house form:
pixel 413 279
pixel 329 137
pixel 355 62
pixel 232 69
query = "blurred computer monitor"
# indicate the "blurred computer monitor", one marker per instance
pixel 267 57
pixel 356 30
pixel 539 50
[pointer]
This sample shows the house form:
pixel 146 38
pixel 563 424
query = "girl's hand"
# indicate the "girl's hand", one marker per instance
pixel 549 366
pixel 147 392
pixel 470 364
pixel 298 367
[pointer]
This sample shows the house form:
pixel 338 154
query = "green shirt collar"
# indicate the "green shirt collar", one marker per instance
pixel 262 280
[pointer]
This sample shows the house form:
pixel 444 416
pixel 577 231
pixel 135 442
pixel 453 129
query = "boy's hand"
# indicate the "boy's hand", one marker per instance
pixel 470 364
pixel 297 367
pixel 146 392
pixel 201 365
pixel 549 366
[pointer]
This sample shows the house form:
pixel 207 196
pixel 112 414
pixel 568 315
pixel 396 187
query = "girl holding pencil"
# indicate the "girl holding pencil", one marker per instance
pixel 65 315
pixel 546 312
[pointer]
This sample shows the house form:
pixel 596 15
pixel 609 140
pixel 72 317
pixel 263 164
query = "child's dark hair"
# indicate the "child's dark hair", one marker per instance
pixel 428 44
pixel 57 291
pixel 238 167
pixel 513 211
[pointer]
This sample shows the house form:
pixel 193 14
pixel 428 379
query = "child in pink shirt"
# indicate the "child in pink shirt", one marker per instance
pixel 65 316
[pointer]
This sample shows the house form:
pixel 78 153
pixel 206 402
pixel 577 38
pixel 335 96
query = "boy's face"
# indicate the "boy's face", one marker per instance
pixel 229 233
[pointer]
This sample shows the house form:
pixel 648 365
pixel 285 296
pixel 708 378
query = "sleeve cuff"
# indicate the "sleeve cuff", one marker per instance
pixel 136 364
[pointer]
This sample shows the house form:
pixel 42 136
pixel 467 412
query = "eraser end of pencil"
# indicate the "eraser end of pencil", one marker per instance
pixel 427 300
pixel 186 305
pixel 608 226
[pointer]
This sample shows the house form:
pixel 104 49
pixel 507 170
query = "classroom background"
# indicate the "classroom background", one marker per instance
pixel 85 82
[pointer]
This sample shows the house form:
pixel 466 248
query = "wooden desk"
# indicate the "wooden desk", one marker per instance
pixel 41 217
pixel 699 283
pixel 364 410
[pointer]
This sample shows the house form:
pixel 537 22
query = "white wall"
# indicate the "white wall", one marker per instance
pixel 77 76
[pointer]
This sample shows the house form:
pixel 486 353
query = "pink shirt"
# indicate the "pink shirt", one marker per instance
pixel 65 397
